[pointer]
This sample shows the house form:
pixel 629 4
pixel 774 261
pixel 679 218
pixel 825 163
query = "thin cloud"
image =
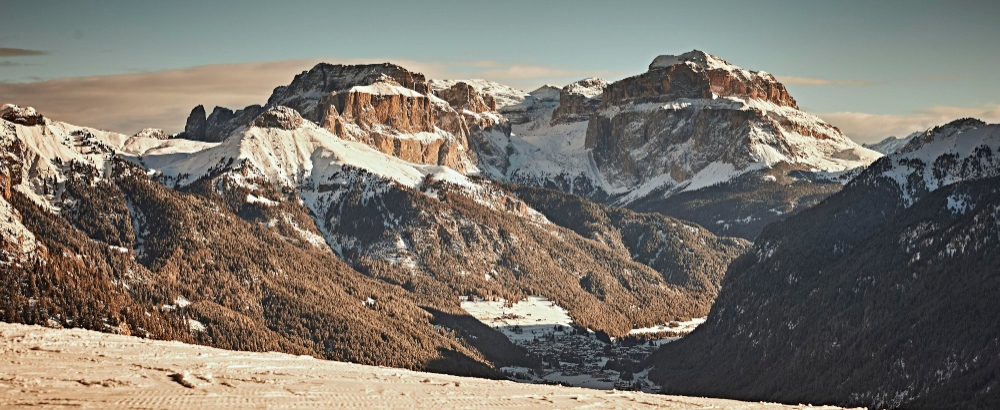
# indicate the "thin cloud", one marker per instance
pixel 863 127
pixel 948 77
pixel 478 64
pixel 19 52
pixel 130 102
pixel 791 80
pixel 13 64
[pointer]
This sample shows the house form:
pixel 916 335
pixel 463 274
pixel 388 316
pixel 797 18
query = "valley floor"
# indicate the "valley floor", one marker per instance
pixel 56 368
pixel 571 357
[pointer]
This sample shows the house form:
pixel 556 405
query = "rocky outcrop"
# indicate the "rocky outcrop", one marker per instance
pixel 503 95
pixel 278 117
pixel 25 116
pixel 697 74
pixel 461 124
pixel 690 111
pixel 382 105
pixel 579 101
pixel 308 88
pixel 218 125
pixel 488 130
pixel 155 133
pixel 462 96
pixel 11 152
pixel 196 125
pixel 398 121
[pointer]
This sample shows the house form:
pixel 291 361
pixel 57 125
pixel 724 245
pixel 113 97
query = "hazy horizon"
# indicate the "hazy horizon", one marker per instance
pixel 874 70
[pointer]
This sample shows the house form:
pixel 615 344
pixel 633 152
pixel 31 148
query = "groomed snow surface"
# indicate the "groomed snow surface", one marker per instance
pixel 60 368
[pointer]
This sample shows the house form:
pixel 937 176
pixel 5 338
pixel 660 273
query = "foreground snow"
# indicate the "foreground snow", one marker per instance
pixel 78 368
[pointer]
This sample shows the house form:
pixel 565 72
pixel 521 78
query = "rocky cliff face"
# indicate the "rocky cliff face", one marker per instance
pixel 400 122
pixel 16 241
pixel 304 93
pixel 693 131
pixel 697 74
pixel 385 106
pixel 579 101
pixel 694 110
pixel 219 124
pixel 694 123
pixel 489 131
pixel 463 96
pixel 196 124
pixel 278 117
pixel 382 105
pixel 11 153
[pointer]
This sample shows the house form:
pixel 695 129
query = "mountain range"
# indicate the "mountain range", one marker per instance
pixel 883 295
pixel 347 215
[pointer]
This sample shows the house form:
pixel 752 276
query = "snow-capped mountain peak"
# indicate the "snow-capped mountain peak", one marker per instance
pixel 695 57
pixel 588 87
pixel 891 144
pixel 939 133
pixel 691 122
pixel 502 94
pixel 961 150
pixel 24 116
pixel 758 126
pixel 289 151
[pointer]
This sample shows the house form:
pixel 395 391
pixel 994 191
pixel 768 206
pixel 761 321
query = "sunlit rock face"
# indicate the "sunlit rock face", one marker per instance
pixel 579 101
pixel 385 106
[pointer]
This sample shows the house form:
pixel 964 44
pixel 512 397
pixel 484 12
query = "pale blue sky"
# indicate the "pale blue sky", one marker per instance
pixel 908 56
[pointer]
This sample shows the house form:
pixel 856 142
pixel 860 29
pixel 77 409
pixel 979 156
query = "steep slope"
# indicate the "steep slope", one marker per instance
pixel 546 149
pixel 883 295
pixel 110 249
pixel 690 133
pixel 673 247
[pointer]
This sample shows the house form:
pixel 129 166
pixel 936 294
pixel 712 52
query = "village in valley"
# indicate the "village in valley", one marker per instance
pixel 572 355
